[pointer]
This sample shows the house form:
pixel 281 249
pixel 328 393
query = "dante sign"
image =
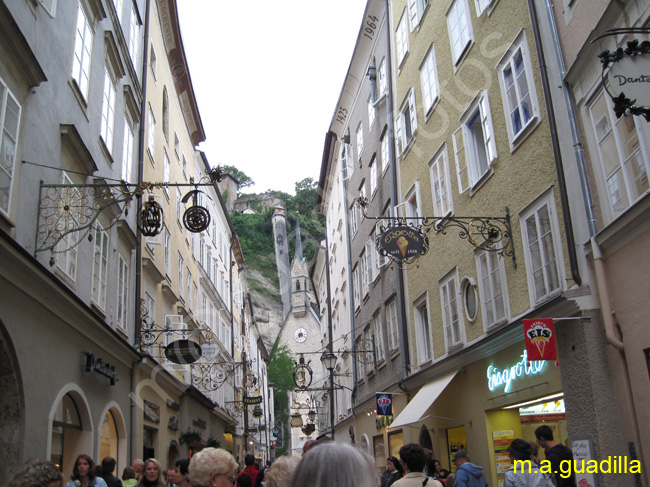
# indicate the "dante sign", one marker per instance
pixel 631 75
pixel 183 352
pixel 403 242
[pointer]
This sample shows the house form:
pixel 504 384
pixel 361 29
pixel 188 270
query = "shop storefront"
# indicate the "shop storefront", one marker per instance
pixel 481 407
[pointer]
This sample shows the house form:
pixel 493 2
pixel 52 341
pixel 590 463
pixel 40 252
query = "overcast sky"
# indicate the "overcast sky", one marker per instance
pixel 267 76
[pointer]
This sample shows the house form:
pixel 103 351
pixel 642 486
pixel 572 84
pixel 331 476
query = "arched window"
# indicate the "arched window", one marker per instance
pixel 66 429
pixel 109 437
pixel 297 285
pixel 165 114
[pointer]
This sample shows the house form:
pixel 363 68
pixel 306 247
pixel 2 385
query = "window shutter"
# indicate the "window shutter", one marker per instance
pixel 412 112
pixel 398 133
pixel 488 130
pixel 461 160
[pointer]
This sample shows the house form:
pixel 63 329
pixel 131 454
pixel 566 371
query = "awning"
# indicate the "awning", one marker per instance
pixel 415 409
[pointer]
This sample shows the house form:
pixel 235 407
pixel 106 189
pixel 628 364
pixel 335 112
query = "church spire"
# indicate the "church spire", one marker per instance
pixel 298 252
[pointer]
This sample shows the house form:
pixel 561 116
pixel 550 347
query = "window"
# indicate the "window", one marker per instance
pixel 406 123
pixel 359 140
pixel 100 267
pixel 168 256
pixel 9 123
pixel 153 62
pixel 354 219
pixel 189 285
pixel 373 176
pixel 119 7
pixel 83 44
pixel 422 330
pixel 392 325
pixel 385 158
pixel 410 207
pixel 367 268
pixel 134 35
pixel 542 248
pixel 460 29
pixel 492 278
pixel 379 338
pixel 67 247
pixel 381 78
pixel 177 146
pixel 347 164
pixel 451 318
pixel 623 156
pixel 108 111
pixel 151 136
pixel 127 152
pixel 416 11
pixel 166 169
pixel 181 282
pixel 474 144
pixel 380 259
pixel 356 287
pixel 362 367
pixel 470 298
pixel 518 88
pixel 402 40
pixel 482 5
pixel 371 112
pixel 429 80
pixel 440 185
pixel 179 208
pixel 165 114
pixel 122 313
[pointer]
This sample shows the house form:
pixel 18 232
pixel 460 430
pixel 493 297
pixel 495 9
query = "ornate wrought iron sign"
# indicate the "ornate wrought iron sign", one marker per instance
pixel 196 218
pixel 403 240
pixel 302 374
pixel 626 74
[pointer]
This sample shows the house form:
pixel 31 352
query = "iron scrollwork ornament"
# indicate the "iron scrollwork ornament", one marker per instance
pixel 302 374
pixel 151 218
pixel 196 218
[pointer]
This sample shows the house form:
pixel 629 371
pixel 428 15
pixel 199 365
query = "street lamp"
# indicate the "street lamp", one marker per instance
pixel 329 360
pixel 312 415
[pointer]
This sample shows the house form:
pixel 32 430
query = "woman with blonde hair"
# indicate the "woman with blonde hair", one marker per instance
pixel 212 467
pixel 151 475
pixel 280 472
pixel 335 464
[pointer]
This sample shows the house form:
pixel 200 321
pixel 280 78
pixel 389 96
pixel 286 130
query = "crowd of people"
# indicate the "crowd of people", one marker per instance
pixel 321 465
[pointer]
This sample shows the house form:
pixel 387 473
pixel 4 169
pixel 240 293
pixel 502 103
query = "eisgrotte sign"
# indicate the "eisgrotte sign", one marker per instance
pixel 403 242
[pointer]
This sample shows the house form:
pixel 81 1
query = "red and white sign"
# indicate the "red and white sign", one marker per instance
pixel 540 339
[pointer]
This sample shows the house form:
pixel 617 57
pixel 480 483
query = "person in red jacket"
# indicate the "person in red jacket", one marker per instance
pixel 250 470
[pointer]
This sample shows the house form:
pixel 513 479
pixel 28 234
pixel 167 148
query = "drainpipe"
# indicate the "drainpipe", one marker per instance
pixel 138 248
pixel 557 154
pixel 575 134
pixel 401 317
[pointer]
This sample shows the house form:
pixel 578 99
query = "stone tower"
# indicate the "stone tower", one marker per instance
pixel 282 256
pixel 299 278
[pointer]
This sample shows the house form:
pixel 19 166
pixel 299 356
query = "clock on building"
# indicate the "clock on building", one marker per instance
pixel 300 335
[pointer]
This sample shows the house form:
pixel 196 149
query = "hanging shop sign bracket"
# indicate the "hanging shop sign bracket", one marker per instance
pixel 68 209
pixel 403 239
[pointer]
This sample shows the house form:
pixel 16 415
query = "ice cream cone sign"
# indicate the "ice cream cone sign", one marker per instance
pixel 540 339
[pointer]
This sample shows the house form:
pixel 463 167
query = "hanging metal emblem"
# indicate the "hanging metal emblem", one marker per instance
pixel 196 218
pixel 151 218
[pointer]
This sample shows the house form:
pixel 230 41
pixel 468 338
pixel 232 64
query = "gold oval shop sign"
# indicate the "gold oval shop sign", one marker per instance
pixel 403 242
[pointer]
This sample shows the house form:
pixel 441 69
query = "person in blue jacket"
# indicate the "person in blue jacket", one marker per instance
pixel 468 474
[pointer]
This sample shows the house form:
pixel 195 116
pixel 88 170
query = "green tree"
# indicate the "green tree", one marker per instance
pixel 280 374
pixel 243 180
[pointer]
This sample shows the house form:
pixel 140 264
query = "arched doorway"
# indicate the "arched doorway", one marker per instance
pixel 71 429
pixel 11 408
pixel 112 437
pixel 425 439
pixel 173 454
